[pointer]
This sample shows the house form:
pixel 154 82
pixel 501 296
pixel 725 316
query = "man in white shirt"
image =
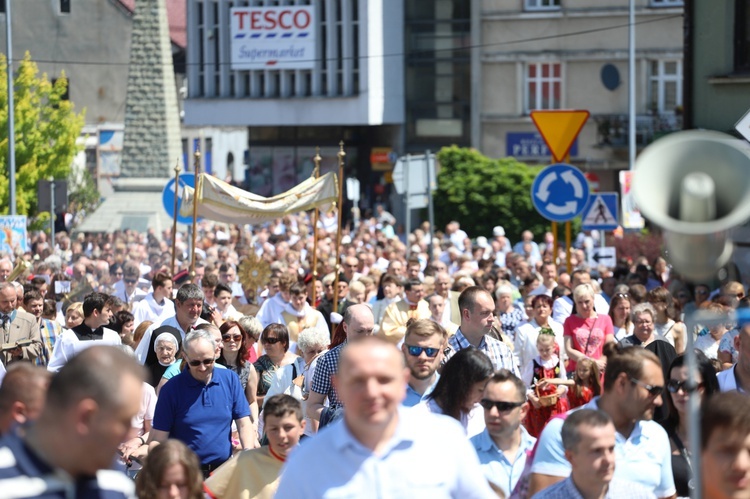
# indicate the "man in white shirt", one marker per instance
pixel 436 304
pixel 737 378
pixel 271 310
pixel 127 289
pixel 549 274
pixel 96 315
pixel 156 306
pixel 378 449
pixel 188 307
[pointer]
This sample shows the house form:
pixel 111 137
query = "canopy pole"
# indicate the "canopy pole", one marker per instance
pixel 337 269
pixel 196 198
pixel 316 214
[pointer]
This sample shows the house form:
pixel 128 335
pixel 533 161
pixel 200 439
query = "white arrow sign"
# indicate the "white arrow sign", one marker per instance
pixel 543 192
pixel 568 209
pixel 570 178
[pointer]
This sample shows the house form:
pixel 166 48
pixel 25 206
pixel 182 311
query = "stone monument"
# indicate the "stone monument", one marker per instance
pixel 151 144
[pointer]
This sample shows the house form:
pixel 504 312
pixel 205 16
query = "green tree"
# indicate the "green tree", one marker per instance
pixel 46 129
pixel 480 193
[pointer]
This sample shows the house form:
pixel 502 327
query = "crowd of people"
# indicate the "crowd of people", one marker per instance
pixel 429 365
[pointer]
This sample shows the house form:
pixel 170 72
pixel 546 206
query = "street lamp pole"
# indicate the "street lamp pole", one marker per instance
pixel 11 124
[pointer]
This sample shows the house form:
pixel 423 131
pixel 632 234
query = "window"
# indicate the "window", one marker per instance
pixel 667 3
pixel 741 37
pixel 543 86
pixel 64 6
pixel 542 4
pixel 665 86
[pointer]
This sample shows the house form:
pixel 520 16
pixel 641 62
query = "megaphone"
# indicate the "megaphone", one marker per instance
pixel 696 186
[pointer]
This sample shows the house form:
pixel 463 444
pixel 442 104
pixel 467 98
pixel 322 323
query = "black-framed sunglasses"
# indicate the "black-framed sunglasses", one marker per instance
pixel 653 390
pixel 205 362
pixel 500 405
pixel 233 337
pixel 675 386
pixel 130 281
pixel 417 351
pixel 270 341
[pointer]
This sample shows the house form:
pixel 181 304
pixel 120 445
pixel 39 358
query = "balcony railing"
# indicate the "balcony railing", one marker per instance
pixel 612 129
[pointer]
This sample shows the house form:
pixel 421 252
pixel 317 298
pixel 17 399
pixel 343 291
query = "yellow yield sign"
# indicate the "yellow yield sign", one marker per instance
pixel 559 129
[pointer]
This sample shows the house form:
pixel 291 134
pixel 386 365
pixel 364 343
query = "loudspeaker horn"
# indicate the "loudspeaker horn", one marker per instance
pixel 696 186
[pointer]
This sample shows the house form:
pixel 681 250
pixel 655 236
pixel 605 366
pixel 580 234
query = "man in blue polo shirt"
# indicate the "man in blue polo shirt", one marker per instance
pixel 198 406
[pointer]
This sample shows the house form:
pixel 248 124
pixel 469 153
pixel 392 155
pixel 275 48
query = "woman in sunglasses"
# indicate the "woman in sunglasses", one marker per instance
pixel 233 355
pixel 676 424
pixel 275 341
pixel 460 388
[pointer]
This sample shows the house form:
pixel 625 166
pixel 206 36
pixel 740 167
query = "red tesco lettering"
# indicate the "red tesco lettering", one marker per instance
pixel 273 19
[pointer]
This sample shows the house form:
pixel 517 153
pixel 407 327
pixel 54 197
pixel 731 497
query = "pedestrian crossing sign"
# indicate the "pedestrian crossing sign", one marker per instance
pixel 600 212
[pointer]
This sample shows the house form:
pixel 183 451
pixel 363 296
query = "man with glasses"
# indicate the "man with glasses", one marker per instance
pixel 633 387
pixel 199 405
pixel 505 444
pixel 644 336
pixel 127 289
pixel 423 351
pixel 398 314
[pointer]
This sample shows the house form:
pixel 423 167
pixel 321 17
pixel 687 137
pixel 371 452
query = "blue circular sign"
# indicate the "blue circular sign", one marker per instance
pixel 560 192
pixel 167 197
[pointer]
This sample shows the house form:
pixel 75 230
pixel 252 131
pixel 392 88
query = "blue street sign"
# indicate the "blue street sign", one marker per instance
pixel 167 197
pixel 600 212
pixel 560 192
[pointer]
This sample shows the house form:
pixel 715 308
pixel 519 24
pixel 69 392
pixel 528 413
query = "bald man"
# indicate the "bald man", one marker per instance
pixel 358 323
pixel 378 449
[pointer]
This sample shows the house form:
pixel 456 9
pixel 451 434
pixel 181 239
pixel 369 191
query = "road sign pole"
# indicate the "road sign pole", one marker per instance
pixel 52 211
pixel 559 129
pixel 430 206
pixel 407 194
pixel 554 242
pixel 568 231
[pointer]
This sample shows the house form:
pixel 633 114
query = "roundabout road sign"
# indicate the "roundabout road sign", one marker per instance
pixel 560 192
pixel 168 194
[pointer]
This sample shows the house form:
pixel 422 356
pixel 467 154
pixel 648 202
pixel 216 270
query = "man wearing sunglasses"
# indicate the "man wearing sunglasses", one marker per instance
pixel 633 387
pixel 198 406
pixel 423 351
pixel 504 445
pixel 127 289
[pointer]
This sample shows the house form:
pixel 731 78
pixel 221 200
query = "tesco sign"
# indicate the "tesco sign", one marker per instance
pixel 273 37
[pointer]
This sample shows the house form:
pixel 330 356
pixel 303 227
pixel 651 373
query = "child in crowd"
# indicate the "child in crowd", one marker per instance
pixel 547 384
pixel 255 473
pixel 585 384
